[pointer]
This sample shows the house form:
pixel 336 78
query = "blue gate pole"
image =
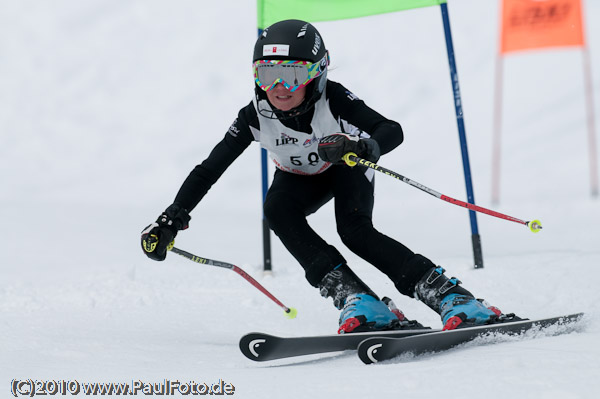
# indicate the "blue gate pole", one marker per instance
pixel 475 238
pixel 267 267
pixel 266 232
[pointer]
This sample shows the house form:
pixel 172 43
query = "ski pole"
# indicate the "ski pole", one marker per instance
pixel 290 313
pixel 352 159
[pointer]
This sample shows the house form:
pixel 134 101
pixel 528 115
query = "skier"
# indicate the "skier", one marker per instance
pixel 307 123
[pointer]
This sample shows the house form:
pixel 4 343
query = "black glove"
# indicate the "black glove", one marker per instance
pixel 158 237
pixel 332 148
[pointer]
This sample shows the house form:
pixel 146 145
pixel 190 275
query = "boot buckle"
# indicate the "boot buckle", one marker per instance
pixel 435 274
pixel 448 285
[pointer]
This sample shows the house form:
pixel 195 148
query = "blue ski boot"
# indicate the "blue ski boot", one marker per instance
pixel 457 309
pixel 361 309
pixel 456 306
pixel 363 312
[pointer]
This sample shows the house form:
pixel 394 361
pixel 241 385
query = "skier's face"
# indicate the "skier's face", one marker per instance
pixel 285 100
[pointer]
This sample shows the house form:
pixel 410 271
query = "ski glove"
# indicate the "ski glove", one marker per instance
pixel 332 148
pixel 158 237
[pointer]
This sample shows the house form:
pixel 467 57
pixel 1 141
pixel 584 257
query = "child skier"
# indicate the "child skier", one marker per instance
pixel 307 123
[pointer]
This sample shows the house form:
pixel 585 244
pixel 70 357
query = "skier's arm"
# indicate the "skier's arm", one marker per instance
pixel 157 236
pixel 345 105
pixel 203 176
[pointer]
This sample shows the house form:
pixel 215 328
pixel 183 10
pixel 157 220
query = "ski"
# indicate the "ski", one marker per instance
pixel 376 349
pixel 262 347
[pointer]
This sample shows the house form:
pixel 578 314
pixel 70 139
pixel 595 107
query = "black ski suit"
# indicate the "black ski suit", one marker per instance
pixel 303 183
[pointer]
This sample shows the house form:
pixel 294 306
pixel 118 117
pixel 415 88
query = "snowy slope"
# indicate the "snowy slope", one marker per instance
pixel 105 106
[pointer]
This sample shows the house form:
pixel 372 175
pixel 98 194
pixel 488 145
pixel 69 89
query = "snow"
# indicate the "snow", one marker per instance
pixel 105 107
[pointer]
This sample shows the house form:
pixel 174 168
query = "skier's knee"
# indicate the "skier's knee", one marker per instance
pixel 355 235
pixel 275 211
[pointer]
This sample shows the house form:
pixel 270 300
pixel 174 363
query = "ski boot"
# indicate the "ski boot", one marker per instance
pixel 362 310
pixel 457 307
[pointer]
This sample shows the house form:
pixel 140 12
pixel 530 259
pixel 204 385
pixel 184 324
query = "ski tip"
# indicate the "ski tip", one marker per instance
pixel 368 356
pixel 379 349
pixel 255 346
pixel 371 350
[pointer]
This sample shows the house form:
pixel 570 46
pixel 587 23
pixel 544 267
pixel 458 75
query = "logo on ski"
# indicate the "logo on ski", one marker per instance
pixel 255 344
pixel 372 350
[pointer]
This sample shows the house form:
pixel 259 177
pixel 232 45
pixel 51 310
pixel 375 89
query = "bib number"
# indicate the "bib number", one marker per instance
pixel 312 159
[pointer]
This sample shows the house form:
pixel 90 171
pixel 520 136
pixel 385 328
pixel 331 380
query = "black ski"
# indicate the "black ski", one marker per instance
pixel 261 347
pixel 376 349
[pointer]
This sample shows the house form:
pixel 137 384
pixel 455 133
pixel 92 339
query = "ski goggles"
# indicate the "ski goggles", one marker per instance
pixel 292 74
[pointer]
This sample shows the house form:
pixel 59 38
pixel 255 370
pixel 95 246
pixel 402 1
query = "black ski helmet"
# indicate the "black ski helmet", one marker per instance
pixel 305 44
